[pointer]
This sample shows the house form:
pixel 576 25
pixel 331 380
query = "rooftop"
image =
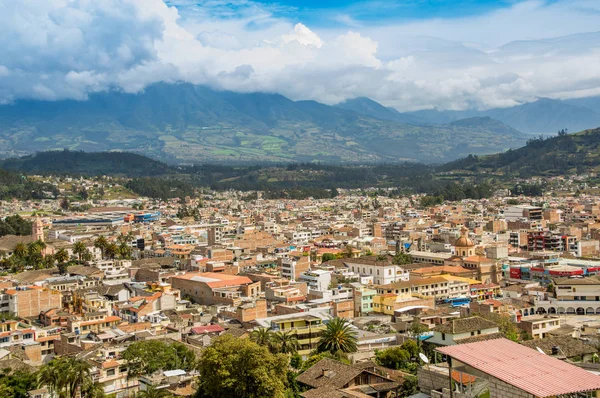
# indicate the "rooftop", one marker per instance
pixel 524 368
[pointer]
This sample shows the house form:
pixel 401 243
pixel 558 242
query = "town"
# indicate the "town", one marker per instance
pixel 361 295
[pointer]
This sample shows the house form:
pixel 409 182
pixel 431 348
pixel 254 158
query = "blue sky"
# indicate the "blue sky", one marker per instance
pixel 408 54
pixel 321 12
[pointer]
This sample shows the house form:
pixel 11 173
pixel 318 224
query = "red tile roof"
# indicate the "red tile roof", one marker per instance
pixel 524 368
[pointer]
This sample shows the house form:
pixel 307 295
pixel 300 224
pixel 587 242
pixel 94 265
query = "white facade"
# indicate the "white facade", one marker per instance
pixel 382 274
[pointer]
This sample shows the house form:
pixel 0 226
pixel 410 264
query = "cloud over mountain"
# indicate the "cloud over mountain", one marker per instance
pixel 59 49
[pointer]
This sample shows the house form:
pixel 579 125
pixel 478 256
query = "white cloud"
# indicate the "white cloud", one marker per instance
pixel 69 48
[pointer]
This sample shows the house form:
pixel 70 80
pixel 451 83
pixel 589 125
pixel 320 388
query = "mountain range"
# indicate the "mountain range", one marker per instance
pixel 184 123
pixel 544 116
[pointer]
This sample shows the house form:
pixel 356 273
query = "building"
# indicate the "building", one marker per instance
pixel 307 327
pixel 26 301
pixel 293 267
pixel 382 272
pixel 330 378
pixel 507 369
pixel 464 246
pixel 524 212
pixel 455 330
pixel 318 279
pixel 538 327
pixel 574 295
pixel 210 288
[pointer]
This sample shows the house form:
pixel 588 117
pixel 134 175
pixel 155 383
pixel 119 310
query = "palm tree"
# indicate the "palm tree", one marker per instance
pixel 61 255
pixel 65 376
pixel 49 376
pixel 93 390
pixel 261 336
pixel 86 255
pixel 152 392
pixel 49 261
pixel 338 337
pixel 285 342
pixel 77 374
pixel 78 249
pixel 101 243
pixel 20 250
pixel 111 250
pixel 124 250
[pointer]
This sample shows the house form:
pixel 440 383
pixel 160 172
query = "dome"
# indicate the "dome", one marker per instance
pixel 464 240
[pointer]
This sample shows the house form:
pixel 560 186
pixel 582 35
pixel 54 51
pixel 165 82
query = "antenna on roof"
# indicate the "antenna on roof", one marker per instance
pixel 540 350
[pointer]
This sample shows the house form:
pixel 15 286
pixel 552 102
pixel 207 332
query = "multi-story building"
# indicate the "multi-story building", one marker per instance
pixel 293 267
pixel 308 328
pixel 26 301
pixel 318 279
pixel 363 300
pixel 574 295
pixel 210 288
pixel 381 271
pixel 538 327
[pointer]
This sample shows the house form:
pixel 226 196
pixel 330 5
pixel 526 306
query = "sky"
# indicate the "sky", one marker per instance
pixel 408 54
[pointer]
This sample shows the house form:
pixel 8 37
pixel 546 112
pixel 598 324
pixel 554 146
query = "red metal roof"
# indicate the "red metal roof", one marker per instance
pixel 207 329
pixel 524 368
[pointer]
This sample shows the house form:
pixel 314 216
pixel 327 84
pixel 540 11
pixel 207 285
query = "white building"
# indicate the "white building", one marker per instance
pixel 382 273
pixel 318 279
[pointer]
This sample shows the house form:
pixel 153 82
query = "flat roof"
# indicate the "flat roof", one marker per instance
pixel 524 368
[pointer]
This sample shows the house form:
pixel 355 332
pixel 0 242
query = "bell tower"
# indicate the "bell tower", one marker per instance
pixel 37 229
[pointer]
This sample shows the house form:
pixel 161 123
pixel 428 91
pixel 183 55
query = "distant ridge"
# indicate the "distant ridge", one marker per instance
pixel 184 123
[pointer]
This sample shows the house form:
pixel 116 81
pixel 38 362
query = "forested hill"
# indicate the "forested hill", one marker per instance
pixel 558 155
pixel 87 164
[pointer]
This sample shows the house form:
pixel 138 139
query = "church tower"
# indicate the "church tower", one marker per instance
pixel 37 229
pixel 464 246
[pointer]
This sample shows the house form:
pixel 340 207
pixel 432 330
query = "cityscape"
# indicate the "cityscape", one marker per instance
pixel 300 199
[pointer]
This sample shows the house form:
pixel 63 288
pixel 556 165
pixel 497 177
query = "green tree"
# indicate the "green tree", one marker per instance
pixel 65 376
pixel 338 337
pixel 111 250
pixel 61 255
pixel 241 368
pixel 328 257
pixel 393 358
pixel 78 249
pixel 285 342
pixel 402 259
pixel 262 336
pixel 15 384
pixel 148 356
pixel 101 243
pixel 152 392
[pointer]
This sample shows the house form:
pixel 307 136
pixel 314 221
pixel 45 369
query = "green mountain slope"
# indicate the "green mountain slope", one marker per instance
pixel 559 155
pixel 194 124
pixel 86 163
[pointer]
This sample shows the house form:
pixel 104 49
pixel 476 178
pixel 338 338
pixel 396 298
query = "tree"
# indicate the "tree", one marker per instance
pixel 348 251
pixel 338 337
pixel 285 342
pixel 16 384
pixel 101 243
pixel 417 329
pixel 241 368
pixel 402 259
pixel 78 249
pixel 261 336
pixel 148 356
pixel 393 358
pixel 111 250
pixel 328 257
pixel 20 250
pixel 124 250
pixel 61 255
pixel 65 376
pixel 152 392
pixel 65 204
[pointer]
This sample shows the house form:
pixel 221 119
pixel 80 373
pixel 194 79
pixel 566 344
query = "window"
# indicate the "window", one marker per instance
pixel 443 336
pixel 110 372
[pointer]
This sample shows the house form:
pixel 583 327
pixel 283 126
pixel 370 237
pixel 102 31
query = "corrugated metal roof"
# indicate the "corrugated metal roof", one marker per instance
pixel 524 368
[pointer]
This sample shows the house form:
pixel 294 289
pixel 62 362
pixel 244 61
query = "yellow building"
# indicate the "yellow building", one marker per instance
pixel 308 330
